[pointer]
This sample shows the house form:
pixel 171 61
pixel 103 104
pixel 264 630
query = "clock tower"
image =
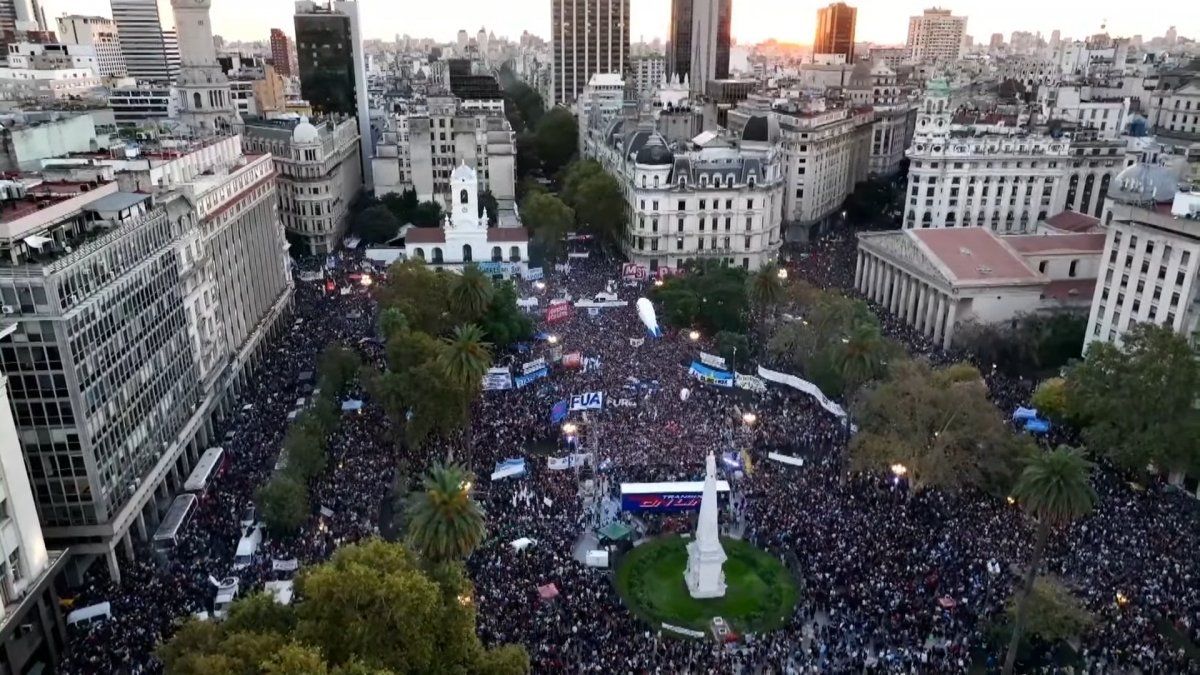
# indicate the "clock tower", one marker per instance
pixel 207 107
pixel 464 200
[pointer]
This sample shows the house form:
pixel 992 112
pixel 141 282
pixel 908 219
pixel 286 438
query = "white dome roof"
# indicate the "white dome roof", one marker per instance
pixel 305 132
pixel 1148 182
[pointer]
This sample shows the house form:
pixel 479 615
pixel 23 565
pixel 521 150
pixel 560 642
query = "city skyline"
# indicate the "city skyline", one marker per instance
pixel 754 21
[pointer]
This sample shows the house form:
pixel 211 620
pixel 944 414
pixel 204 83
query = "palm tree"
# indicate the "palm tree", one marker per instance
pixel 391 322
pixel 470 294
pixel 465 357
pixel 1055 489
pixel 766 289
pixel 444 522
pixel 862 355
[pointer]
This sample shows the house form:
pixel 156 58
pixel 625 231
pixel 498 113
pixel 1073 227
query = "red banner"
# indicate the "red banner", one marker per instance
pixel 558 312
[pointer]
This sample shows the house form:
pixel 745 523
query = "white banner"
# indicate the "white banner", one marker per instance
pixel 591 364
pixel 712 361
pixel 595 304
pixel 637 342
pixel 562 267
pixel 527 303
pixel 593 400
pixel 786 459
pixel 568 462
pixel 804 386
pixel 533 273
pixel 285 565
pixel 530 366
pixel 497 379
pixel 751 383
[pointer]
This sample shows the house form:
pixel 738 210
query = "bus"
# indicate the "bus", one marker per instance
pixel 173 523
pixel 667 497
pixel 210 465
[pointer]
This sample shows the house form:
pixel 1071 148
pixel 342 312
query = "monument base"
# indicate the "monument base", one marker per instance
pixel 705 575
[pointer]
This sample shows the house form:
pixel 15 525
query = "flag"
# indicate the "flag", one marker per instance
pixel 558 412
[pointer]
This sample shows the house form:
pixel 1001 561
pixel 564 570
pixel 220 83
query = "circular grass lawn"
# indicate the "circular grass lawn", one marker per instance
pixel 759 592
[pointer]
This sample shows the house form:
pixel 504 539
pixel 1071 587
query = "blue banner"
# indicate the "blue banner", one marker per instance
pixel 523 380
pixel 719 378
pixel 558 412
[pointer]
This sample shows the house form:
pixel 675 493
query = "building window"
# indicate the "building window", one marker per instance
pixel 514 254
pixel 1071 271
pixel 497 254
pixel 1042 267
pixel 437 255
pixel 420 253
pixel 462 197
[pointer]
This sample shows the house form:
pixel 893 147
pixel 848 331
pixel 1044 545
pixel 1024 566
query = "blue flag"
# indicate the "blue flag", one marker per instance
pixel 558 412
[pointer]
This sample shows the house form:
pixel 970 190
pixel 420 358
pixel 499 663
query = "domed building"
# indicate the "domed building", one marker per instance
pixel 716 195
pixel 319 171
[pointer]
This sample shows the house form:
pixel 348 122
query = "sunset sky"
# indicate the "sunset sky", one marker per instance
pixel 883 21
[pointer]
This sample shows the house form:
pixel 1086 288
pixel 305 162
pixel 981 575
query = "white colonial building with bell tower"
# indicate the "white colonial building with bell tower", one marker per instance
pixel 466 238
pixel 207 108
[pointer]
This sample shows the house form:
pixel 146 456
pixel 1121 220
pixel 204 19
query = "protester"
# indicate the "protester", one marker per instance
pixel 891 581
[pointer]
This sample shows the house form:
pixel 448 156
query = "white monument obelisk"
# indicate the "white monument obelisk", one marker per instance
pixel 705 576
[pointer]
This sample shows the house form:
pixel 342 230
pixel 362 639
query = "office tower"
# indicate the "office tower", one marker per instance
pixel 699 41
pixel 835 30
pixel 332 66
pixel 150 55
pixel 937 35
pixel 21 16
pixel 207 106
pixel 587 37
pixel 1055 39
pixel 283 56
pixel 100 34
pixel 31 628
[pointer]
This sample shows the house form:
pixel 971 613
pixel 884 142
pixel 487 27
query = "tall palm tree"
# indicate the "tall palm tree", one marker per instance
pixel 465 357
pixel 862 355
pixel 470 293
pixel 1055 488
pixel 766 288
pixel 444 521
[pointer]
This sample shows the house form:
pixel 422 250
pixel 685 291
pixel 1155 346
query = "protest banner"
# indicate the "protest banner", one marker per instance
pixel 592 400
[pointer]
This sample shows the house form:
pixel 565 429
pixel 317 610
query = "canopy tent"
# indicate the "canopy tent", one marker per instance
pixel 1021 414
pixel 615 531
pixel 352 405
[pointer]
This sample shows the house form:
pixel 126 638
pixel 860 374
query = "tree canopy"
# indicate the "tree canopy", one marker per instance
pixel 710 296
pixel 372 609
pixel 445 522
pixel 557 139
pixel 597 201
pixel 939 426
pixel 1136 402
pixel 549 219
pixel 376 225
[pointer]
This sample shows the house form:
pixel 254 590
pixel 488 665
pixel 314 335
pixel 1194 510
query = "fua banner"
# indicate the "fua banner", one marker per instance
pixel 593 400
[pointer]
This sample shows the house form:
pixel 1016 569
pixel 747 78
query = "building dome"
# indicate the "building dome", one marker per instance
pixel 762 129
pixel 305 132
pixel 655 152
pixel 1147 182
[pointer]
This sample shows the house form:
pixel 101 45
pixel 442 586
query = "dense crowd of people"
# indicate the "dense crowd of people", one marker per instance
pixel 890 581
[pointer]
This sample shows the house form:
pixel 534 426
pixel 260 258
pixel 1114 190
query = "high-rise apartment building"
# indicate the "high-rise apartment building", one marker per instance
pixel 835 30
pixel 587 37
pixel 283 56
pixel 332 66
pixel 21 16
pixel 936 35
pixel 99 33
pixel 31 630
pixel 1150 270
pixel 150 54
pixel 207 106
pixel 698 41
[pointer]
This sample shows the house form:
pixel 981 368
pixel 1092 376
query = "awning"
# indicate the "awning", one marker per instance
pixel 616 531
pixel 36 241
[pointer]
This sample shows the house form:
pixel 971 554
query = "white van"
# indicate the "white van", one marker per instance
pixel 246 548
pixel 98 612
pixel 226 594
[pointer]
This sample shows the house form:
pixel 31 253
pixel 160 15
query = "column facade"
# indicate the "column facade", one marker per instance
pixel 953 312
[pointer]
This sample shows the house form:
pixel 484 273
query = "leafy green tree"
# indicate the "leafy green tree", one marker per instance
pixel 1050 397
pixel 391 322
pixel 470 294
pixel 1055 489
pixel 504 323
pixel 528 162
pixel 733 347
pixel 465 357
pixel 427 214
pixel 942 429
pixel 600 210
pixel 1059 338
pixel 401 204
pixel 557 138
pixel 377 225
pixel 490 206
pixel 438 405
pixel 284 504
pixel 1053 614
pixel 338 366
pixel 371 610
pixel 444 521
pixel 549 219
pixel 419 293
pixel 711 296
pixel 305 448
pixel 861 357
pixel 1136 403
